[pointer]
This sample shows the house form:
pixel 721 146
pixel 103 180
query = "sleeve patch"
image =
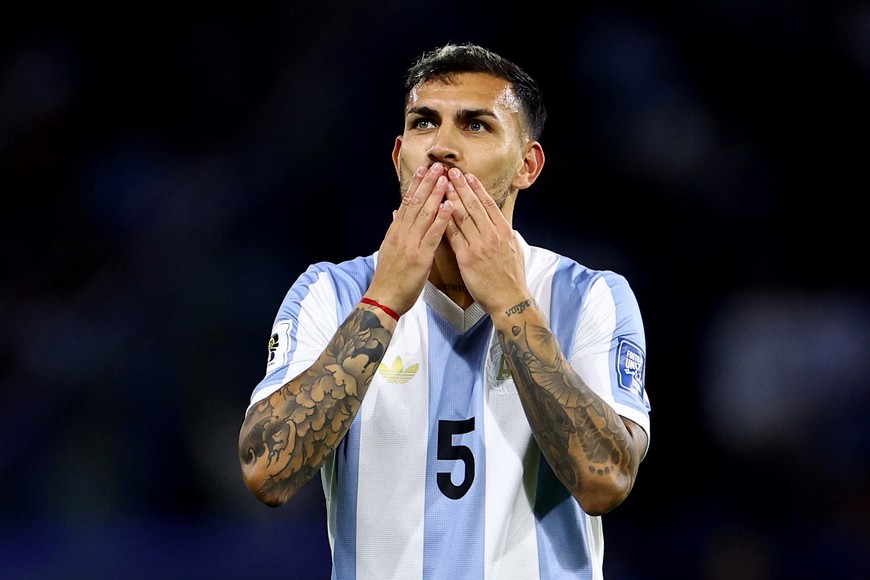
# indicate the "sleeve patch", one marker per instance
pixel 630 367
pixel 279 342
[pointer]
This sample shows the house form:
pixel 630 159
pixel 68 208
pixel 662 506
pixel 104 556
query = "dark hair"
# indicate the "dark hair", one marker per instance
pixel 451 58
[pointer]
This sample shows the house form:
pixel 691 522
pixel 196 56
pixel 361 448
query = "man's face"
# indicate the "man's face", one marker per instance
pixel 472 123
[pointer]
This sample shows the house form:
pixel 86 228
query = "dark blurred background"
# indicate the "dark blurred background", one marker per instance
pixel 167 171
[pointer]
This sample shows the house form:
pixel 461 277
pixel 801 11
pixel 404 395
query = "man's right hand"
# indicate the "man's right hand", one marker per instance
pixel 408 250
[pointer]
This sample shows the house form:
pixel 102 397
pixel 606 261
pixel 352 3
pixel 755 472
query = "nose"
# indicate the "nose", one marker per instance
pixel 445 145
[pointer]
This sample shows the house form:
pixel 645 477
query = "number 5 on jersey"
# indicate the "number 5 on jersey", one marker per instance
pixel 450 452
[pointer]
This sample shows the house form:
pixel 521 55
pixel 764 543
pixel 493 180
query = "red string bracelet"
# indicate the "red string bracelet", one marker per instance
pixel 389 311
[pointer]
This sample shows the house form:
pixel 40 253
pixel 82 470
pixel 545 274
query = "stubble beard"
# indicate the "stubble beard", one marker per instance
pixel 499 190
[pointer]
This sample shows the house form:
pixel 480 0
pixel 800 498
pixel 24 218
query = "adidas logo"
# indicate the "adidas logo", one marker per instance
pixel 397 373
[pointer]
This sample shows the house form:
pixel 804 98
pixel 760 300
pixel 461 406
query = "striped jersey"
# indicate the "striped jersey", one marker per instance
pixel 439 476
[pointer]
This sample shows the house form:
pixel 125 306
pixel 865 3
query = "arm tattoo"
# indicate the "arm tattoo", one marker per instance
pixel 300 424
pixel 568 419
pixel 518 308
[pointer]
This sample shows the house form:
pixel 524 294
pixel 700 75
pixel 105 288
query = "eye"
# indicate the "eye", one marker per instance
pixel 477 126
pixel 422 123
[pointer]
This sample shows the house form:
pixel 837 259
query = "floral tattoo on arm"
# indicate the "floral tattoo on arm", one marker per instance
pixel 291 433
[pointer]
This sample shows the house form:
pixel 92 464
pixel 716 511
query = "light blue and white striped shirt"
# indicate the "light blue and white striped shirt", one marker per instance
pixel 439 476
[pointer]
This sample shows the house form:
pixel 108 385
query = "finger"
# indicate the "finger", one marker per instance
pixel 470 217
pixel 436 230
pixel 471 211
pixel 460 213
pixel 408 194
pixel 430 207
pixel 486 201
pixel 454 235
pixel 427 197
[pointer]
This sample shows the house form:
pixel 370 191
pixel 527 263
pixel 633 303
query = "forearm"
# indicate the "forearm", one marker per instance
pixel 584 440
pixel 286 437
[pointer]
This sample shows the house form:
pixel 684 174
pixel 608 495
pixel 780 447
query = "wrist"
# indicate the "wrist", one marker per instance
pixel 389 311
pixel 515 309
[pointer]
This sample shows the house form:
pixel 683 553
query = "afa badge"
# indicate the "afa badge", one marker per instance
pixel 630 367
pixel 279 342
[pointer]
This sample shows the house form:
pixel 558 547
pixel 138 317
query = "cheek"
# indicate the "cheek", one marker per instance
pixel 497 175
pixel 405 169
pixel 413 147
pixel 404 184
pixel 499 168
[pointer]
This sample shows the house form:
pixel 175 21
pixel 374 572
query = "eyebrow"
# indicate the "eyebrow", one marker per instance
pixel 463 114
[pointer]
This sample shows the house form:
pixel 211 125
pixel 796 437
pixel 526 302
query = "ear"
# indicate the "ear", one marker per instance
pixel 533 163
pixel 397 148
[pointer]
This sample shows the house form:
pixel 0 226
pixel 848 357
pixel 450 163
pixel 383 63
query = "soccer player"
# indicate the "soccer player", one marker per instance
pixel 474 404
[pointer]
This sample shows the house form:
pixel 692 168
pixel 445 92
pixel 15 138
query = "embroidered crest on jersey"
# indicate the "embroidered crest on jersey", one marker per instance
pixel 398 372
pixel 498 373
pixel 278 344
pixel 630 367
